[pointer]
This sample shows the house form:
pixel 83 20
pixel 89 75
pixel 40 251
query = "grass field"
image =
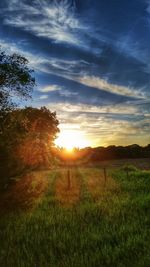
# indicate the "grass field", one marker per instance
pixel 90 223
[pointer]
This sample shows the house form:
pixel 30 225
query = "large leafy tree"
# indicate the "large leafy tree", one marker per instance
pixel 27 139
pixel 41 129
pixel 26 135
pixel 16 80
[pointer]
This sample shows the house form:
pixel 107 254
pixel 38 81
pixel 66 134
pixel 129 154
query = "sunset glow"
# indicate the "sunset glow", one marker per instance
pixel 70 139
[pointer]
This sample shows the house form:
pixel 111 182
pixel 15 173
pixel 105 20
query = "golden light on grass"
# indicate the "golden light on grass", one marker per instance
pixel 70 139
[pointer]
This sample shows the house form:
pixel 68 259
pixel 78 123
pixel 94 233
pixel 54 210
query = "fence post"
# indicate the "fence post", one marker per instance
pixel 68 180
pixel 105 176
pixel 127 173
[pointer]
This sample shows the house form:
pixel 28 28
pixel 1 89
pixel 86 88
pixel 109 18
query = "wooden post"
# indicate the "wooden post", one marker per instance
pixel 68 180
pixel 105 176
pixel 127 173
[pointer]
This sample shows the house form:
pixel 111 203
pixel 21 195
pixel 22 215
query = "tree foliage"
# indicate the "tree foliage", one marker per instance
pixel 16 79
pixel 26 138
pixel 26 135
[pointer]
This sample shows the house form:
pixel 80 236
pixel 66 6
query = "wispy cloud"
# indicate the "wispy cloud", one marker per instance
pixel 148 5
pixel 103 84
pixel 68 93
pixel 56 88
pixel 75 70
pixel 58 20
pixel 131 109
pixel 49 88
pixel 105 126
pixel 43 97
pixel 126 44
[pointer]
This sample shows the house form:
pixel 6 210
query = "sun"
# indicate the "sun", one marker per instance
pixel 69 149
pixel 70 139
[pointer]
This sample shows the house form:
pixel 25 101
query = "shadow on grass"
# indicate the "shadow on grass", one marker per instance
pixel 23 193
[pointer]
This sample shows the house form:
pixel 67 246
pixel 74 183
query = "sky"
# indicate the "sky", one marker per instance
pixel 91 61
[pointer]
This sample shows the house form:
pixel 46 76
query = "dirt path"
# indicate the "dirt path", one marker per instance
pixel 67 188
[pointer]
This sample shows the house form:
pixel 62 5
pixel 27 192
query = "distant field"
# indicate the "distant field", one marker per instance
pixel 76 219
pixel 142 163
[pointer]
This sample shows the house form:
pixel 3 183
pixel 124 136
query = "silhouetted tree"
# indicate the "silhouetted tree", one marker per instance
pixel 15 79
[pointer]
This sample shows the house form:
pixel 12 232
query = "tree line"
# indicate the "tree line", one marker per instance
pixel 120 152
pixel 115 152
pixel 90 155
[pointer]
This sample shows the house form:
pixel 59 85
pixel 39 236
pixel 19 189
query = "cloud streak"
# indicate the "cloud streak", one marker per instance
pixel 50 88
pixel 58 20
pixel 103 84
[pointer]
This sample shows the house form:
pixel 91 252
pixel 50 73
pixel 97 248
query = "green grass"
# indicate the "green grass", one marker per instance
pixel 109 231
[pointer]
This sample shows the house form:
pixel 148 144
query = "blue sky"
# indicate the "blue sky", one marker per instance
pixel 91 62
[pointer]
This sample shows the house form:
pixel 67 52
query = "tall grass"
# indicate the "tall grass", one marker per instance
pixel 109 231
